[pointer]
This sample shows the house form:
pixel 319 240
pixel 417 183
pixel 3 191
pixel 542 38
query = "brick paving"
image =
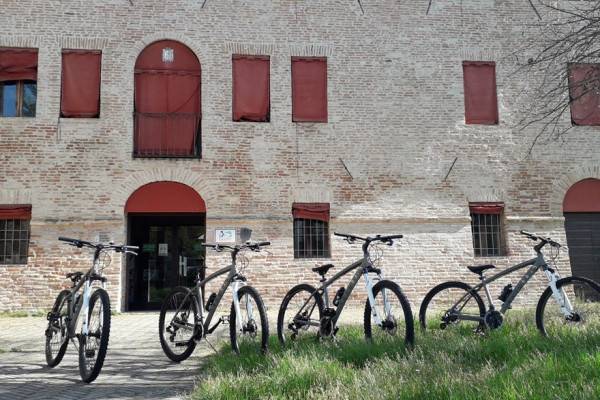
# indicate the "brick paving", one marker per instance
pixel 135 366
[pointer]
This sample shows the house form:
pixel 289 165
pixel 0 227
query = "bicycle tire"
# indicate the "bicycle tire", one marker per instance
pixel 311 292
pixel 88 375
pixel 191 345
pixel 59 303
pixel 409 335
pixel 264 323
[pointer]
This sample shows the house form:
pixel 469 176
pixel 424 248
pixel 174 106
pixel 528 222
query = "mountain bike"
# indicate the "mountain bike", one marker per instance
pixel 387 313
pixel 183 323
pixel 455 303
pixel 83 316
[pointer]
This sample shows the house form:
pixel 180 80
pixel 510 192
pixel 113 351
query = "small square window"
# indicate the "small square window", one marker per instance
pixel 311 230
pixel 487 229
pixel 14 242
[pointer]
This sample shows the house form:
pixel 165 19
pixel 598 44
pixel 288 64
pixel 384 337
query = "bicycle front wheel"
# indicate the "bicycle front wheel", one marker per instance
pixel 552 317
pixel 178 324
pixel 57 336
pixel 250 328
pixel 394 313
pixel 452 304
pixel 301 308
pixel 93 346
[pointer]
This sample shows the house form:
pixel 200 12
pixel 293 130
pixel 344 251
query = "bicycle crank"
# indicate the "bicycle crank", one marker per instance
pixel 493 319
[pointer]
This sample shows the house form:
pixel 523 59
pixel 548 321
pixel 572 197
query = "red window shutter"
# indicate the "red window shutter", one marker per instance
pixel 18 64
pixel 486 208
pixel 18 211
pixel 584 92
pixel 309 89
pixel 80 91
pixel 481 103
pixel 251 97
pixel 316 211
pixel 167 100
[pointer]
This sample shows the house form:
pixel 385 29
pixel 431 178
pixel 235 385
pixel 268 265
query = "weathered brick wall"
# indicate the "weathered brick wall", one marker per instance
pixel 396 119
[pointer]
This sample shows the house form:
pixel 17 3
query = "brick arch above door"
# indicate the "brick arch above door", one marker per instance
pixel 181 175
pixel 563 183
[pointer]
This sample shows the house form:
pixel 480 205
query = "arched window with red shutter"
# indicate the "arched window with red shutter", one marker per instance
pixel 167 101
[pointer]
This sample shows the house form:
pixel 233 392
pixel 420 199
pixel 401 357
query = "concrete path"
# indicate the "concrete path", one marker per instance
pixel 135 366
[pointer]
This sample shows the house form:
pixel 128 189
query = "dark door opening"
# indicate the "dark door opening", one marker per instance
pixel 170 255
pixel 583 240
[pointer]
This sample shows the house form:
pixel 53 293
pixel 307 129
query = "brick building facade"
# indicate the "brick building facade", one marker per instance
pixel 394 155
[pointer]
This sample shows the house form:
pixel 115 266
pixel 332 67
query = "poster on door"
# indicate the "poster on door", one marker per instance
pixel 163 249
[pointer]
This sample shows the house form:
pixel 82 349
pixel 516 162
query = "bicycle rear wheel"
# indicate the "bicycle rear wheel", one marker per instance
pixel 57 336
pixel 393 309
pixel 301 308
pixel 252 321
pixel 584 296
pixel 178 325
pixel 449 304
pixel 93 346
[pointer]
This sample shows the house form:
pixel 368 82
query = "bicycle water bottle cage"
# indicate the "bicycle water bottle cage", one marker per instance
pixel 338 296
pixel 210 301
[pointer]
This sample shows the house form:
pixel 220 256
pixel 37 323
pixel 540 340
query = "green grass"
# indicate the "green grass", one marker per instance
pixel 515 362
pixel 22 314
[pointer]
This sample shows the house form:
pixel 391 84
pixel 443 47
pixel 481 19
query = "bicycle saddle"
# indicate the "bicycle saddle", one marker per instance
pixel 74 276
pixel 322 270
pixel 478 269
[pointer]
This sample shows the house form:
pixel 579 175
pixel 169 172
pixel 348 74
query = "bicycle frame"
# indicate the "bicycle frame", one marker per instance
pixel 535 264
pixel 234 278
pixel 361 267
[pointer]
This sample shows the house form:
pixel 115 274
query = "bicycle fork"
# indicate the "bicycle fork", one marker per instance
pixel 237 285
pixel 373 302
pixel 559 294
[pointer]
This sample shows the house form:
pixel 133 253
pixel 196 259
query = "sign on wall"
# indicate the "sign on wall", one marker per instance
pixel 226 235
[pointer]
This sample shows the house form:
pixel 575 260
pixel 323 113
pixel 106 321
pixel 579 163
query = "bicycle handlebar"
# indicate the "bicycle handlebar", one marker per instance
pixel 253 246
pixel 389 239
pixel 543 240
pixel 100 246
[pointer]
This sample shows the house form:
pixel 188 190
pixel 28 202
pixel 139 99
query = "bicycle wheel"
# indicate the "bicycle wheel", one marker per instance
pixel 446 304
pixel 57 336
pixel 178 324
pixel 92 348
pixel 393 309
pixel 251 327
pixel 297 313
pixel 584 296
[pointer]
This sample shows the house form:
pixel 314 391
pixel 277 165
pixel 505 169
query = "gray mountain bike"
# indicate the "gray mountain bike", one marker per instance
pixel 387 313
pixel 457 304
pixel 183 323
pixel 83 317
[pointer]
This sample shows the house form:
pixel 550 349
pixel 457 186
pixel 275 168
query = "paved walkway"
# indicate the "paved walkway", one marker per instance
pixel 135 366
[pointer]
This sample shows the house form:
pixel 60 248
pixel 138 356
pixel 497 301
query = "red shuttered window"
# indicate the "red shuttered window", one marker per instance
pixel 309 89
pixel 584 91
pixel 80 90
pixel 167 101
pixel 251 88
pixel 481 103
pixel 18 82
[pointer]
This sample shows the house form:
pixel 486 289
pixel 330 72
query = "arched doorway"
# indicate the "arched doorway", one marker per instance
pixel 581 207
pixel 167 101
pixel 165 220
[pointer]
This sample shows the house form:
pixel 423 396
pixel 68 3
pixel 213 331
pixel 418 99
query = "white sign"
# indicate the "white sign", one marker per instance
pixel 225 235
pixel 168 55
pixel 163 249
